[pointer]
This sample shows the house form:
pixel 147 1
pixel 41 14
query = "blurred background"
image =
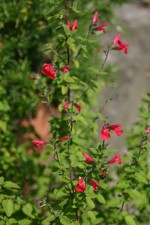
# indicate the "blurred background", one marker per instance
pixel 133 76
pixel 26 30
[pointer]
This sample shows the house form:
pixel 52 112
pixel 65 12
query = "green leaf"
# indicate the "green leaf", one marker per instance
pixel 48 220
pixel 9 185
pixel 64 220
pixel 3 126
pixel 4 106
pixel 114 202
pixel 1 197
pixel 68 78
pixel 8 206
pixel 12 221
pixel 129 220
pixel 123 184
pixel 141 178
pixel 90 203
pixel 75 223
pixel 1 180
pixel 90 193
pixel 24 222
pixel 75 10
pixel 76 63
pixel 71 43
pixel 91 215
pixel 103 185
pixel 134 194
pixel 28 210
pixel 16 207
pixel 64 89
pixel 101 199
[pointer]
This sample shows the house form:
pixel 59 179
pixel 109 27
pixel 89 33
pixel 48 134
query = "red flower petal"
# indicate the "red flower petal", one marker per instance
pixel 117 38
pixel 63 138
pixel 116 129
pixel 80 187
pixel 65 69
pixel 88 158
pixel 74 26
pixel 79 107
pixel 147 130
pixel 102 27
pixel 66 105
pixel 105 133
pixel 121 45
pixel 115 159
pixel 94 184
pixel 95 17
pixel 38 143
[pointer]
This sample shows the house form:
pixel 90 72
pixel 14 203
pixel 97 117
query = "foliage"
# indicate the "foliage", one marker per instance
pixel 71 178
pixel 14 209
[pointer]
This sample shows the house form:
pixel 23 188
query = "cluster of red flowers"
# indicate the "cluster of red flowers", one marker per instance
pixel 121 45
pixel 96 20
pixel 66 105
pixel 40 143
pixel 115 159
pixel 105 133
pixel 80 187
pixel 49 71
pixel 73 26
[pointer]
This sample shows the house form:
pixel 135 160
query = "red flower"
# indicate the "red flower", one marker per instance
pixel 116 129
pixel 49 71
pixel 105 133
pixel 102 27
pixel 65 69
pixel 94 184
pixel 95 17
pixel 117 38
pixel 38 143
pixel 79 107
pixel 121 45
pixel 80 187
pixel 63 138
pixel 88 158
pixel 66 105
pixel 115 159
pixel 74 26
pixel 147 130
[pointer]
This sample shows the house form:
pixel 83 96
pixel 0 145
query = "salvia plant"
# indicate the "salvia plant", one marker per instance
pixel 80 165
pixel 84 180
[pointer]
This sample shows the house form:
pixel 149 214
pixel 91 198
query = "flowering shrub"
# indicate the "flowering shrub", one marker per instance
pixel 82 189
pixel 71 173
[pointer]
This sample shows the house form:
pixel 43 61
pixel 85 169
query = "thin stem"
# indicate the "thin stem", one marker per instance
pixel 121 209
pixel 122 206
pixel 135 163
pixel 72 2
pixel 86 38
pixel 56 153
pixel 141 145
pixel 101 68
pixel 72 192
pixel 66 8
